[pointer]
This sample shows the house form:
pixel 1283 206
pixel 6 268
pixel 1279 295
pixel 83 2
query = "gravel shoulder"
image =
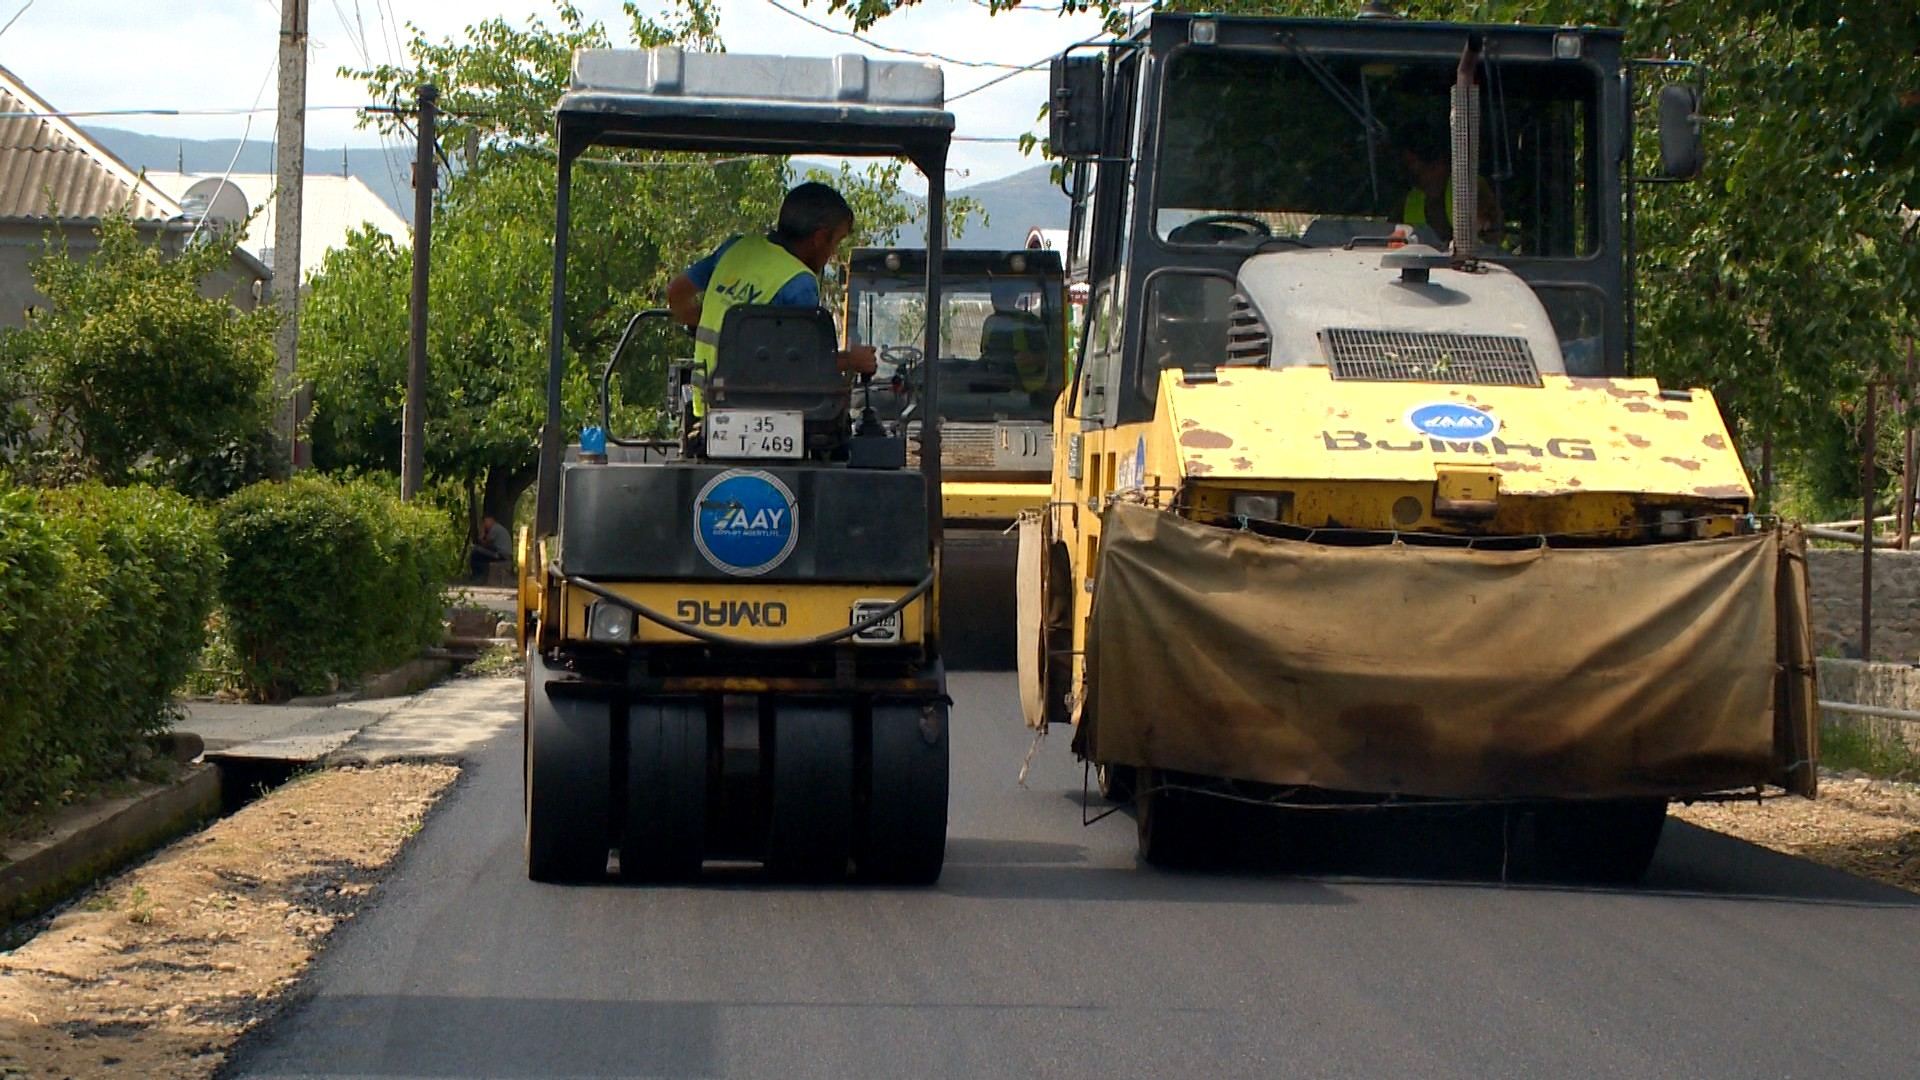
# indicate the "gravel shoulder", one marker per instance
pixel 1866 827
pixel 157 972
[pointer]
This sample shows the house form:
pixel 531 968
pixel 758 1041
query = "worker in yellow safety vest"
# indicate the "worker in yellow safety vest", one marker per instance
pixel 781 268
pixel 1016 338
pixel 1429 201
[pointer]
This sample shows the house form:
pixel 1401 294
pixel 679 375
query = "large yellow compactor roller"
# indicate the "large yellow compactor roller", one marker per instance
pixel 1352 506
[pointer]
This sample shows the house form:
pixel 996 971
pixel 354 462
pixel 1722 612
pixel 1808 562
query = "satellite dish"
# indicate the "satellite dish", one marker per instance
pixel 222 200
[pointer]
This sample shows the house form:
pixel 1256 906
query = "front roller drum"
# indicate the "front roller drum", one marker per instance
pixel 904 817
pixel 810 831
pixel 664 831
pixel 567 776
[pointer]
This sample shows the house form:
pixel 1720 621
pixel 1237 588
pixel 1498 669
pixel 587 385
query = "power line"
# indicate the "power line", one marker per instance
pixel 78 114
pixel 16 16
pixel 870 43
pixel 227 176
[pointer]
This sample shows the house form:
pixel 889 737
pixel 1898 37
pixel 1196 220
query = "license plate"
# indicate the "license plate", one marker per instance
pixel 743 433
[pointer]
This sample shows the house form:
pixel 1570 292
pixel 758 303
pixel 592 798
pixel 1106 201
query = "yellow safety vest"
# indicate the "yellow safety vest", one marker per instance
pixel 1415 212
pixel 750 271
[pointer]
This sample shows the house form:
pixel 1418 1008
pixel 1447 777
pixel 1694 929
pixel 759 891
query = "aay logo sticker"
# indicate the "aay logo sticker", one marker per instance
pixel 744 522
pixel 1453 421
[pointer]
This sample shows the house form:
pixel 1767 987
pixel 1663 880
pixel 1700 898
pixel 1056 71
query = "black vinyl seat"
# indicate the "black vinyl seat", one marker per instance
pixel 782 358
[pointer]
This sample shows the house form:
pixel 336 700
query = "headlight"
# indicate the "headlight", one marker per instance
pixel 609 624
pixel 1256 507
pixel 884 632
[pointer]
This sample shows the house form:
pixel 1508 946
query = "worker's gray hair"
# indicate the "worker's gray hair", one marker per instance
pixel 809 208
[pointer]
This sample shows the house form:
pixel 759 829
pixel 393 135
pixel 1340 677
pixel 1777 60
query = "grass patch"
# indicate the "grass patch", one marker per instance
pixel 499 660
pixel 1884 757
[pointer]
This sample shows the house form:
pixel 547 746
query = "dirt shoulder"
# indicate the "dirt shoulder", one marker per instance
pixel 1865 827
pixel 158 971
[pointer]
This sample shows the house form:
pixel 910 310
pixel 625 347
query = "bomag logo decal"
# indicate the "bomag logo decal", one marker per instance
pixel 1566 449
pixel 726 614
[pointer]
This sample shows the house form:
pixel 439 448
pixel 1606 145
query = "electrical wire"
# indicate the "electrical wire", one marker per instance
pixel 245 132
pixel 16 17
pixel 872 44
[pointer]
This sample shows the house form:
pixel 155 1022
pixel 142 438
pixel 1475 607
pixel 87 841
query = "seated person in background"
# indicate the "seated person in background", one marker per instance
pixel 1016 339
pixel 781 268
pixel 493 545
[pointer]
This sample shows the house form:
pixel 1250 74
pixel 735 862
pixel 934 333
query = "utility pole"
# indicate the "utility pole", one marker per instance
pixel 413 425
pixel 290 166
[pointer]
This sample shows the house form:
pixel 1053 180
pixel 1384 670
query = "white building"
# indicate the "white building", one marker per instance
pixel 331 208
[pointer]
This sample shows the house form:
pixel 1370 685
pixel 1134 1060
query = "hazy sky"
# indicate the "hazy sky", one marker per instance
pixel 83 55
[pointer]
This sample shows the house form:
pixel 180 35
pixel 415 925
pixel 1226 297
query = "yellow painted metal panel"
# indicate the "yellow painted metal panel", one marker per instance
pixel 990 501
pixel 761 612
pixel 1570 435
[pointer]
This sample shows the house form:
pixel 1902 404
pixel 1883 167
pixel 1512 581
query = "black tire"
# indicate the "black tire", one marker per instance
pixel 1171 823
pixel 810 834
pixel 664 831
pixel 1610 842
pixel 567 776
pixel 903 828
pixel 1116 782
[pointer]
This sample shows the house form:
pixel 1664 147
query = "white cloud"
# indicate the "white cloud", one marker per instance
pixel 189 55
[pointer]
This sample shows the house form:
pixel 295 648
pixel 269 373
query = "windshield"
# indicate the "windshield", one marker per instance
pixel 1005 354
pixel 1291 149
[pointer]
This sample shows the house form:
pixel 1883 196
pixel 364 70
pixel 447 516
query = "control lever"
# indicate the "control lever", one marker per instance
pixel 869 420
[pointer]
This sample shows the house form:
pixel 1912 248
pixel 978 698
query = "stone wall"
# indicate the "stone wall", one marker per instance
pixel 1835 576
pixel 1893 686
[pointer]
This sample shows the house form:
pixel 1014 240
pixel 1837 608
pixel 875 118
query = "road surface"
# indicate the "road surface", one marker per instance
pixel 1045 951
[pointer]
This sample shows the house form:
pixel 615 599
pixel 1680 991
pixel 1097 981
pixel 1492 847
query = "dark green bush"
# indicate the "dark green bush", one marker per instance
pixel 326 581
pixel 104 597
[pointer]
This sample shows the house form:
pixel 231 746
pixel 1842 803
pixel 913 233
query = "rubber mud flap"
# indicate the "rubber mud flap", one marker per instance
pixel 904 821
pixel 810 834
pixel 568 773
pixel 665 828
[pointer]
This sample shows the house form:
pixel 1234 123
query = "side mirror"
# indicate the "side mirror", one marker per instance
pixel 1681 156
pixel 1075 106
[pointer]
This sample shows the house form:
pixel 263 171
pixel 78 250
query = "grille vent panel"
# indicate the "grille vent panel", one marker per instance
pixel 1248 342
pixel 1393 356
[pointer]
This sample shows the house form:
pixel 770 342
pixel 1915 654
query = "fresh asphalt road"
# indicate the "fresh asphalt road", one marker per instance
pixel 1045 951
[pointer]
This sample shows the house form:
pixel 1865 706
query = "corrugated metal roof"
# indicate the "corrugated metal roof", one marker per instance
pixel 50 169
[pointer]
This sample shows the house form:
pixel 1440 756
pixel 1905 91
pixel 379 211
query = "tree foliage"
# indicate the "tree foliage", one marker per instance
pixel 136 372
pixel 637 219
pixel 1787 277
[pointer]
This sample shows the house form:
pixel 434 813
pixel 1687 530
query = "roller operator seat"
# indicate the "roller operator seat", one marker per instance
pixel 782 359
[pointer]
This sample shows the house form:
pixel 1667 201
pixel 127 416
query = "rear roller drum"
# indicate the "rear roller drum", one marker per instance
pixel 665 830
pixel 567 776
pixel 810 834
pixel 904 820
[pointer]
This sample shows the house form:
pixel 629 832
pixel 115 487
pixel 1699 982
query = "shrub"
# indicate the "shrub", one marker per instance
pixel 104 597
pixel 327 581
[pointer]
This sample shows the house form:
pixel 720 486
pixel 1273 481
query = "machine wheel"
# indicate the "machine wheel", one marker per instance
pixel 1608 842
pixel 904 822
pixel 665 831
pixel 810 835
pixel 1171 822
pixel 567 776
pixel 1116 782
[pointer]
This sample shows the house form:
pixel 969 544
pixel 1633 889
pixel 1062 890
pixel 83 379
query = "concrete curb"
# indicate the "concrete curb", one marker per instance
pixel 89 841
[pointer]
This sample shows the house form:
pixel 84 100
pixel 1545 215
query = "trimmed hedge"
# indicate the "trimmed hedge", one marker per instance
pixel 104 597
pixel 327 581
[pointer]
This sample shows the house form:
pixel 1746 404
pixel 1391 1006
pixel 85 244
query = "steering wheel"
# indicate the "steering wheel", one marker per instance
pixel 1253 226
pixel 901 355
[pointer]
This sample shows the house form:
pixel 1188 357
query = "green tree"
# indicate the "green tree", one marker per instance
pixel 137 373
pixel 638 219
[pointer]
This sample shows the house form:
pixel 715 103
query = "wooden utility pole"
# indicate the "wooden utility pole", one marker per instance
pixel 290 166
pixel 426 178
pixel 1871 437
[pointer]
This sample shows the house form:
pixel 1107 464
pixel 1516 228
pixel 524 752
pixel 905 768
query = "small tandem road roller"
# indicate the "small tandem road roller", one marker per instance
pixel 732 636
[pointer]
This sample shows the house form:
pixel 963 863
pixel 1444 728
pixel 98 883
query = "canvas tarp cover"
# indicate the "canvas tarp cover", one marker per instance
pixel 1447 672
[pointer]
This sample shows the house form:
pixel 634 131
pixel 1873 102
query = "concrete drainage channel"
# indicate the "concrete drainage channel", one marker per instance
pixel 248 750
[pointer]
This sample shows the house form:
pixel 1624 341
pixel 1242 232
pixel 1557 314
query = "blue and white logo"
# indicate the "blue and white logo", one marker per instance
pixel 1453 421
pixel 744 522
